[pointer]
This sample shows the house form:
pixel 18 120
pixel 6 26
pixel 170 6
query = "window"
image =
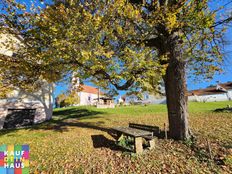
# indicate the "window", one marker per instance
pixel 19 117
pixel 146 96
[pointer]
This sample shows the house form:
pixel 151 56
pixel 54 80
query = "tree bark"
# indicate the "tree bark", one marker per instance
pixel 176 92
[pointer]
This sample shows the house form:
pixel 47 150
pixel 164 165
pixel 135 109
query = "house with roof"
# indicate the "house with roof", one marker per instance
pixel 90 95
pixel 94 97
pixel 144 97
pixel 220 92
pixel 20 108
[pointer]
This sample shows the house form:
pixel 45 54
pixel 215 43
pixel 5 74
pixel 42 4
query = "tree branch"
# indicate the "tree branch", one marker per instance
pixel 225 21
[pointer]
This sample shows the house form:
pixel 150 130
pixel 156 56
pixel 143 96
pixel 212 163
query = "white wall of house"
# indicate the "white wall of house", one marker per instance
pixel 152 99
pixel 208 98
pixel 229 94
pixel 8 44
pixel 87 98
pixel 212 98
pixel 131 99
pixel 42 101
pixel 146 98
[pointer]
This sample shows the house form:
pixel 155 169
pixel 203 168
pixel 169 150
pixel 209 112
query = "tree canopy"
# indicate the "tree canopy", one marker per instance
pixel 112 42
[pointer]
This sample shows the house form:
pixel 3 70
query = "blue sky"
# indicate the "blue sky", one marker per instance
pixel 227 67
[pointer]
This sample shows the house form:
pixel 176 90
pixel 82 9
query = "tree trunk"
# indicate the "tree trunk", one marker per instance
pixel 176 92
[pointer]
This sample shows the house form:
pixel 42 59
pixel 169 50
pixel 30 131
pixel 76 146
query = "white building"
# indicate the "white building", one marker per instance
pixel 21 108
pixel 89 95
pixel 220 92
pixel 145 98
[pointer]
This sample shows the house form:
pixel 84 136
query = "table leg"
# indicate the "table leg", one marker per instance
pixel 138 145
pixel 152 143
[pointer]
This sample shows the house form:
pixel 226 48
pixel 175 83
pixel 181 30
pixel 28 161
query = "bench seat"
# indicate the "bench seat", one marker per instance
pixel 138 135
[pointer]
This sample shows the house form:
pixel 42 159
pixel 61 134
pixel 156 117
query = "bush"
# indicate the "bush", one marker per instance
pixel 68 100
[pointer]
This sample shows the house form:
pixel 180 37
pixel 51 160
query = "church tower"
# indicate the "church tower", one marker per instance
pixel 75 83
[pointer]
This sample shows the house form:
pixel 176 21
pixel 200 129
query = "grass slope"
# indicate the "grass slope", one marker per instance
pixel 76 141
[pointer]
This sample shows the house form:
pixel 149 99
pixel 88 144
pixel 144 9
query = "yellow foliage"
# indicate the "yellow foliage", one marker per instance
pixel 5 90
pixel 171 21
pixel 119 29
pixel 72 99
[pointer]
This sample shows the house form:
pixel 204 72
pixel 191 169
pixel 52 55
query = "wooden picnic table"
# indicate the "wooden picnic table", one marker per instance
pixel 138 135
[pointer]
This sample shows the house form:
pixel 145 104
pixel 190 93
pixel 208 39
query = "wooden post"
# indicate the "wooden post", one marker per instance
pixel 98 96
pixel 165 132
pixel 152 143
pixel 138 144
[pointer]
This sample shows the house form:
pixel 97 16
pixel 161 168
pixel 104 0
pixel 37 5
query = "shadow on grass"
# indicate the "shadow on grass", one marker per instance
pixel 64 119
pixel 79 114
pixel 100 141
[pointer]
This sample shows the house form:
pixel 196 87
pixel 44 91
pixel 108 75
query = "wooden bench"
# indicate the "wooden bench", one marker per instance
pixel 154 129
pixel 138 135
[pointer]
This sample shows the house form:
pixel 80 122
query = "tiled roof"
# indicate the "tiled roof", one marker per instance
pixel 227 86
pixel 219 89
pixel 89 89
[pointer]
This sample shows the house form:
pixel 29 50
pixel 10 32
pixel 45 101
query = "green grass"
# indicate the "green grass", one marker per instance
pixel 194 107
pixel 207 107
pixel 76 141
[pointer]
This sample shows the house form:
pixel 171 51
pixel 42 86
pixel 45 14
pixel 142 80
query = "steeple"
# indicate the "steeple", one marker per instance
pixel 75 82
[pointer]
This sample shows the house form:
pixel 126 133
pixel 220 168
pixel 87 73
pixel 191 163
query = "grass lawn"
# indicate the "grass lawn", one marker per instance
pixel 76 141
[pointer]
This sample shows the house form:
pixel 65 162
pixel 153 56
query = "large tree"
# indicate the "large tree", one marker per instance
pixel 119 44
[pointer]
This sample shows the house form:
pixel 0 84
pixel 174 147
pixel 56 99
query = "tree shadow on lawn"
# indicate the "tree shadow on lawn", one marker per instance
pixel 79 114
pixel 63 119
pixel 100 141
